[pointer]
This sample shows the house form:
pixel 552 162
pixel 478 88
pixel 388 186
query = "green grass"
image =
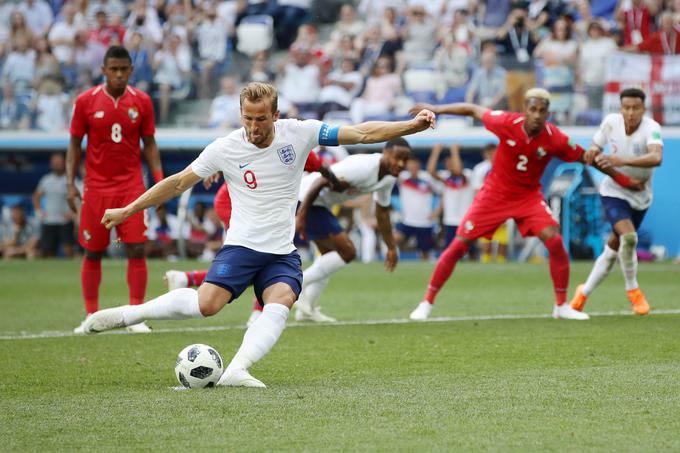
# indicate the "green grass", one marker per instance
pixel 507 384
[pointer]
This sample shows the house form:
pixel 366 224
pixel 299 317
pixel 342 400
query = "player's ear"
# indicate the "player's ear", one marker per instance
pixel 277 115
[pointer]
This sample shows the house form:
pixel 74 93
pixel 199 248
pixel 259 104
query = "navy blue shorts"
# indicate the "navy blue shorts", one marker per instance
pixel 449 234
pixel 616 209
pixel 423 236
pixel 321 223
pixel 235 268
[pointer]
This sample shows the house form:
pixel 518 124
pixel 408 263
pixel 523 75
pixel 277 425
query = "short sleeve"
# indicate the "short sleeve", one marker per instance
pixel 494 120
pixel 602 135
pixel 654 134
pixel 355 169
pixel 41 184
pixel 384 196
pixel 148 128
pixel 564 148
pixel 207 163
pixel 79 119
pixel 313 162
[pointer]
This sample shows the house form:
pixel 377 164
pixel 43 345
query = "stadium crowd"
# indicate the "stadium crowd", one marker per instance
pixel 368 58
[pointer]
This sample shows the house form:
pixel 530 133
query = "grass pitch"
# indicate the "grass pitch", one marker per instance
pixel 522 383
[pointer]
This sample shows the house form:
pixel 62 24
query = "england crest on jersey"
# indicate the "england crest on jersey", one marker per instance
pixel 286 154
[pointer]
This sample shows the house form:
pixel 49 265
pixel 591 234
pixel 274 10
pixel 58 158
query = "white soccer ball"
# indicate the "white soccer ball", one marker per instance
pixel 198 366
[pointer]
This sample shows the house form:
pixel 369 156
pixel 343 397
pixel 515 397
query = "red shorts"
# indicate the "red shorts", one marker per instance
pixel 488 212
pixel 93 236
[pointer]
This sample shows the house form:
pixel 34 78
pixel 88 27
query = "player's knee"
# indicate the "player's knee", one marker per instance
pixel 92 255
pixel 210 304
pixel 348 253
pixel 555 244
pixel 135 251
pixel 629 240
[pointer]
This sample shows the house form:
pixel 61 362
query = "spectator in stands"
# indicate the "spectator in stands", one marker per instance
pixel 373 10
pixel 172 70
pixel 300 82
pixel 344 50
pixel 87 59
pixel 144 18
pixel 19 68
pixel 380 92
pixel 559 53
pixel 201 229
pixel 592 60
pixel 487 87
pixel 105 33
pixel 288 16
pixel 225 110
pixel 491 16
pixel 56 219
pixel 419 37
pixel 19 30
pixel 38 16
pixel 19 238
pixel 51 105
pixel 373 45
pixel 635 19
pixel 340 87
pixel 664 41
pixel 142 75
pixel 14 115
pixel 517 43
pixel 46 64
pixel 348 25
pixel 259 69
pixel 110 7
pixel 63 33
pixel 541 14
pixel 453 57
pixel 461 30
pixel 212 34
pixel 163 233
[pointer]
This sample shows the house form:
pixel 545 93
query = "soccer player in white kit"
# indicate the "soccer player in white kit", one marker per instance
pixel 635 149
pixel 263 164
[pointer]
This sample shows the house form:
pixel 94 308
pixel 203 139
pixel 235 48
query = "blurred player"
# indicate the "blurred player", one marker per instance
pixel 262 163
pixel 114 116
pixel 513 190
pixel 457 193
pixel 180 279
pixel 636 148
pixel 416 191
pixel 359 174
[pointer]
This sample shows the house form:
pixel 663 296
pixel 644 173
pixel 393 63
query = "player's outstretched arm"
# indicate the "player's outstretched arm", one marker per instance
pixel 382 215
pixel 165 190
pixel 593 157
pixel 433 159
pixel 459 108
pixel 652 158
pixel 73 155
pixel 380 131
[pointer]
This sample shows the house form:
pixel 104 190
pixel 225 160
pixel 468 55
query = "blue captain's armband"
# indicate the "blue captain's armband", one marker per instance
pixel 328 135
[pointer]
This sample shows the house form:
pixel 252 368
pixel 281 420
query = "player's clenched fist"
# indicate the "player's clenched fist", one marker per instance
pixel 427 118
pixel 113 217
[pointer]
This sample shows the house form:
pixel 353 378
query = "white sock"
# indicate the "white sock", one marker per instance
pixel 603 265
pixel 261 336
pixel 179 303
pixel 323 267
pixel 629 262
pixel 312 291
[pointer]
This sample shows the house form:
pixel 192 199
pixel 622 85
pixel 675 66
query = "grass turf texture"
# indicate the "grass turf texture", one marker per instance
pixel 516 384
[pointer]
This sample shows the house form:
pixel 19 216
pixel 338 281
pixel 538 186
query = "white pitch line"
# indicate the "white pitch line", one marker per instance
pixel 373 322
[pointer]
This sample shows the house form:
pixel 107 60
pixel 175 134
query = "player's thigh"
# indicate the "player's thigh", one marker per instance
pixel 212 298
pixel 280 281
pixel 425 239
pixel 449 234
pixel 234 269
pixel 92 235
pixel 534 217
pixel 481 220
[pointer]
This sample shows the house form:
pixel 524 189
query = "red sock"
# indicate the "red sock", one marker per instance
pixel 445 265
pixel 90 277
pixel 195 278
pixel 559 267
pixel 256 305
pixel 136 278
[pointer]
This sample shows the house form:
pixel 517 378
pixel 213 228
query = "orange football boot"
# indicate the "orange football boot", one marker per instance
pixel 579 299
pixel 639 302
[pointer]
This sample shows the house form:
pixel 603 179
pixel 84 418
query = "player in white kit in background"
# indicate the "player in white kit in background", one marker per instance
pixel 457 192
pixel 263 164
pixel 416 193
pixel 635 149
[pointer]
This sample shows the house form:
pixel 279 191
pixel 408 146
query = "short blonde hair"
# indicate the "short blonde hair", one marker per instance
pixel 258 91
pixel 539 93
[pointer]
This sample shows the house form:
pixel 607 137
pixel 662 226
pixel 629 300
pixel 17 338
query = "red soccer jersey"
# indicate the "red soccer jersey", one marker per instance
pixel 113 128
pixel 520 160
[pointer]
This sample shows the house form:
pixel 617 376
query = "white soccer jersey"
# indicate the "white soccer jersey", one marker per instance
pixel 263 182
pixel 479 174
pixel 416 196
pixel 361 172
pixel 457 196
pixel 613 131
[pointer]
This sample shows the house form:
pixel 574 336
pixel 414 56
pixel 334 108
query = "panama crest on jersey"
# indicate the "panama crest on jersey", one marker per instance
pixel 286 154
pixel 133 113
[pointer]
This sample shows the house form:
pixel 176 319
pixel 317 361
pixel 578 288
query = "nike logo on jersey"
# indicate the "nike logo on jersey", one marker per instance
pixel 99 114
pixel 242 166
